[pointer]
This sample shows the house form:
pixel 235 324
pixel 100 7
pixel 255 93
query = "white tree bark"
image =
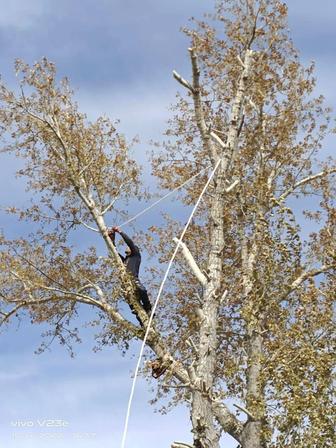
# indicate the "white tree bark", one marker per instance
pixel 192 263
pixel 205 433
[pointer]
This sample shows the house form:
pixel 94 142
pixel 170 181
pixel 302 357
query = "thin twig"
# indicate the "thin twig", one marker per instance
pixel 241 408
pixel 305 181
pixel 183 81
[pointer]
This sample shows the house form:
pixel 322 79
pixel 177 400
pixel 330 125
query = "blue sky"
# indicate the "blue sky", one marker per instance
pixel 118 55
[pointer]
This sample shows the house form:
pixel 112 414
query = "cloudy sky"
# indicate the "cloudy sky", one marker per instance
pixel 119 55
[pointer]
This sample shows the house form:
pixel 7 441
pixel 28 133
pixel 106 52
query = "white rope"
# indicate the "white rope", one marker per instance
pixel 161 199
pixel 134 217
pixel 156 303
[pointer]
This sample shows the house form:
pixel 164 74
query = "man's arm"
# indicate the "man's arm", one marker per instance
pixel 134 249
pixel 111 234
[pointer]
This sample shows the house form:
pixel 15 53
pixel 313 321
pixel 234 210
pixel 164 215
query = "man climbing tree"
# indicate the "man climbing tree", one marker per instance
pixel 132 261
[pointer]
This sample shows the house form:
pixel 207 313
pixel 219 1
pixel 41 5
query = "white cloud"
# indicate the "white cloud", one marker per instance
pixel 21 14
pixel 142 110
pixel 15 376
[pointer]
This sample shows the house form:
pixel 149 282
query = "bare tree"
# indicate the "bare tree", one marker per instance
pixel 244 334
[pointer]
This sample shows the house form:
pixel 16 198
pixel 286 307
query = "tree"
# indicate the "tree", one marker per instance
pixel 248 315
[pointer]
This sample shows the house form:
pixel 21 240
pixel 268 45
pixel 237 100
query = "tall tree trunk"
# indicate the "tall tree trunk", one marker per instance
pixel 252 433
pixel 205 433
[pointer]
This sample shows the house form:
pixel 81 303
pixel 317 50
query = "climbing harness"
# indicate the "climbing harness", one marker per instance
pixel 157 301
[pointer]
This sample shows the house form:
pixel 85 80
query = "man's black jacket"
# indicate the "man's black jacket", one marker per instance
pixel 133 260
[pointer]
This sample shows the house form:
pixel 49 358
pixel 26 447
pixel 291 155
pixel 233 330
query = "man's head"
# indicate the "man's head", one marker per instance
pixel 128 251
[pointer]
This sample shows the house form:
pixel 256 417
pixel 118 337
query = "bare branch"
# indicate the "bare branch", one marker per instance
pixel 192 263
pixel 255 107
pixel 226 292
pixel 192 373
pixel 232 186
pixel 199 114
pixel 106 209
pixel 309 274
pixel 82 171
pixel 10 313
pixel 181 445
pixel 241 408
pixel 183 81
pixel 305 181
pixel 67 295
pixel 242 121
pixel 77 294
pixel 218 139
pixel 191 344
pixel 207 276
pixel 240 61
pixel 87 226
pixel 176 386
